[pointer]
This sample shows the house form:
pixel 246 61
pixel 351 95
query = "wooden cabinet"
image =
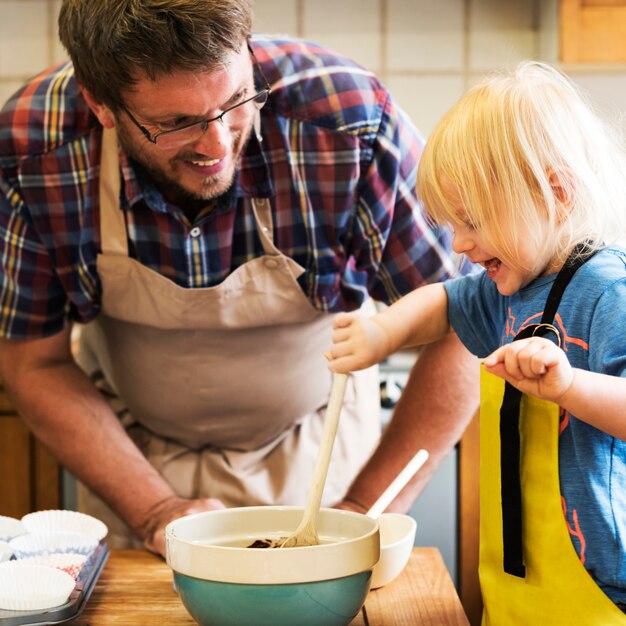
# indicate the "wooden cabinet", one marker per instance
pixel 593 31
pixel 469 518
pixel 30 477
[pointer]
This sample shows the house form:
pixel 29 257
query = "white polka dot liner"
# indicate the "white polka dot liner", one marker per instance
pixel 69 562
pixel 41 543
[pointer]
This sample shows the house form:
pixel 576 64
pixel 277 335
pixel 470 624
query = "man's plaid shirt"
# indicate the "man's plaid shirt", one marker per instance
pixel 337 162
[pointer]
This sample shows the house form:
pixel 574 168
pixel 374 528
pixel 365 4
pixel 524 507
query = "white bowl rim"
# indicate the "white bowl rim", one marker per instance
pixel 411 528
pixel 394 555
pixel 279 566
pixel 169 530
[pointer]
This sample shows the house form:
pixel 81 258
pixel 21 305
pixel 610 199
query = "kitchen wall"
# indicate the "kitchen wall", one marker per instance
pixel 428 52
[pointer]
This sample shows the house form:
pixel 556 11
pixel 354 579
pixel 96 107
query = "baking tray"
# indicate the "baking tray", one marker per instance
pixel 85 583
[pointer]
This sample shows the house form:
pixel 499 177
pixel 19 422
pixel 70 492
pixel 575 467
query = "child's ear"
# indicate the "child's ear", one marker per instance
pixel 563 188
pixel 100 110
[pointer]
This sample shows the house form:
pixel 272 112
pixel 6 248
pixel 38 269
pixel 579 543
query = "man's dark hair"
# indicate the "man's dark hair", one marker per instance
pixel 112 43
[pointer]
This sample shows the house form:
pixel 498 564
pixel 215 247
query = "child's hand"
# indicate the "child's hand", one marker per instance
pixel 535 366
pixel 358 343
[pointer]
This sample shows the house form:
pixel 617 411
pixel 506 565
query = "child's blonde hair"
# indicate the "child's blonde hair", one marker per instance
pixel 498 152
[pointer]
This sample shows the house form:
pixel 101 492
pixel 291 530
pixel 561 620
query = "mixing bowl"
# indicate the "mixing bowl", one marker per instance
pixel 397 534
pixel 222 582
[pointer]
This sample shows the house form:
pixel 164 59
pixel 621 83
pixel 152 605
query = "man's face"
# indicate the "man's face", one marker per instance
pixel 204 168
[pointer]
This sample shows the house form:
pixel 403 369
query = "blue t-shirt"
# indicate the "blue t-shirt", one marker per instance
pixel 592 320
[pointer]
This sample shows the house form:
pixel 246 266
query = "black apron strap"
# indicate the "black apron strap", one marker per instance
pixel 510 447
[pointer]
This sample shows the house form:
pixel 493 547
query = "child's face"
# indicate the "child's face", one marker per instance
pixel 508 278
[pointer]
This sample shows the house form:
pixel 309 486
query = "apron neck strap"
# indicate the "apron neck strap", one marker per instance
pixel 510 445
pixel 262 210
pixel 579 255
pixel 113 238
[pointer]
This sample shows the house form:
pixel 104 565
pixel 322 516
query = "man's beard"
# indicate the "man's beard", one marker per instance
pixel 172 190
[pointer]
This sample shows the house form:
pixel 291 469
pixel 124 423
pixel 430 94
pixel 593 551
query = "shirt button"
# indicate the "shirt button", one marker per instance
pixel 195 232
pixel 271 264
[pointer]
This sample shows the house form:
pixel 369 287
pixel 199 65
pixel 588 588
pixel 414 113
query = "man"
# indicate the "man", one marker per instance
pixel 204 201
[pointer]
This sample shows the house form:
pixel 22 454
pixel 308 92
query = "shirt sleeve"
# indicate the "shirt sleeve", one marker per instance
pixel 607 336
pixel 32 300
pixel 473 306
pixel 393 241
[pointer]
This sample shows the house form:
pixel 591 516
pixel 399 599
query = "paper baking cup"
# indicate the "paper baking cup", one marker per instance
pixel 33 587
pixel 42 543
pixel 5 551
pixel 64 521
pixel 70 562
pixel 10 527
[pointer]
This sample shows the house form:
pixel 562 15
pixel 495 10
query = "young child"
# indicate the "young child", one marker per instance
pixel 534 187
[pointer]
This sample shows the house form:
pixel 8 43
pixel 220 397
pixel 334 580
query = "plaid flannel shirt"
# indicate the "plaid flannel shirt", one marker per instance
pixel 337 161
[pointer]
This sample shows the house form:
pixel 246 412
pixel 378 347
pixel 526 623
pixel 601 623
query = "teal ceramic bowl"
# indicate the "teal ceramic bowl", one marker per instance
pixel 222 582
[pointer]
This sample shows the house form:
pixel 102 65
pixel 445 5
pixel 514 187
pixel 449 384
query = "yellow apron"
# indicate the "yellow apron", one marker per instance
pixel 556 590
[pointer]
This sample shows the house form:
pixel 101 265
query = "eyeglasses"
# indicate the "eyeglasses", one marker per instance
pixel 188 133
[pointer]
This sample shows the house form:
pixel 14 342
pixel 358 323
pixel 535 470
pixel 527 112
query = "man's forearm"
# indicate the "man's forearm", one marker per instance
pixel 66 412
pixel 438 402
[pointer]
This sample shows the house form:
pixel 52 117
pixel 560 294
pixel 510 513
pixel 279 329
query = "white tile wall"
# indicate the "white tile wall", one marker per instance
pixel 428 52
pixel 608 93
pixel 423 35
pixel 501 33
pixel 24 37
pixel 426 98
pixel 58 51
pixel 351 27
pixel 277 16
pixel 548 39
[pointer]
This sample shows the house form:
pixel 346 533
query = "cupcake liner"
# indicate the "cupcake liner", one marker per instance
pixel 59 520
pixel 42 543
pixel 5 551
pixel 10 527
pixel 33 587
pixel 69 562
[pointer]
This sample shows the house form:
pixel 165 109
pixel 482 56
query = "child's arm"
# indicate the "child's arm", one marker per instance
pixel 539 368
pixel 418 318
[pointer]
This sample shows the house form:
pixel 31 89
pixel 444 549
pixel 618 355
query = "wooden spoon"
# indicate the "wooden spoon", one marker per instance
pixel 306 533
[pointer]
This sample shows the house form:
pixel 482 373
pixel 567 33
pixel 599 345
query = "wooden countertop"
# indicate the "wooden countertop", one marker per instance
pixel 135 587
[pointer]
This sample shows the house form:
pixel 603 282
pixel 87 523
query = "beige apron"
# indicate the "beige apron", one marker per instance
pixel 222 388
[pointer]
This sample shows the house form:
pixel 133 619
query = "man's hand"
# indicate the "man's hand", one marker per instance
pixel 358 343
pixel 535 366
pixel 153 529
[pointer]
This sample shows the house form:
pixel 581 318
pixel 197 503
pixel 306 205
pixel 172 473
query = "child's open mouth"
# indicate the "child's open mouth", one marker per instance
pixel 492 266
